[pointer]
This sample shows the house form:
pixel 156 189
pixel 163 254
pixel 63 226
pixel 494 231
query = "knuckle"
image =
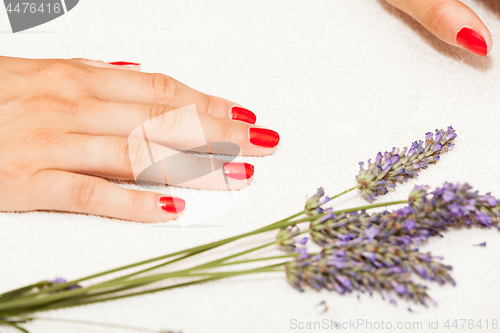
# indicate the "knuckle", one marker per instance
pixel 65 71
pixel 86 193
pixel 162 88
pixel 208 106
pixel 156 111
pixel 435 14
pixel 160 119
pixel 63 67
pixel 135 152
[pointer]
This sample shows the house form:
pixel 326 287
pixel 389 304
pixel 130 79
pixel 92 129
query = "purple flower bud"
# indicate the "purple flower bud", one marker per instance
pixel 483 218
pixel 338 263
pixel 369 255
pixel 399 288
pixel 344 280
pixel 371 232
pixel 425 257
pixel 448 196
pixel 338 254
pixel 303 254
pixel 421 271
pixel 455 210
pixel 58 280
pixel 391 299
pixel 339 289
pixel 490 200
pixel 302 241
pixel 404 211
pixel 410 224
pixel 406 239
pixel 395 270
pixel 343 237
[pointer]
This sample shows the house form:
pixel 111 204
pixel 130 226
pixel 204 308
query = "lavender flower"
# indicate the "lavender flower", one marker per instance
pixel 399 258
pixel 60 280
pixel 397 227
pixel 399 166
pixel 323 271
pixel 427 214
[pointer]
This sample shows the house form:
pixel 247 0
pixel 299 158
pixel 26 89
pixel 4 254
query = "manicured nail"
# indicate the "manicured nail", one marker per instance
pixel 238 170
pixel 243 114
pixel 124 63
pixel 172 205
pixel 472 41
pixel 264 137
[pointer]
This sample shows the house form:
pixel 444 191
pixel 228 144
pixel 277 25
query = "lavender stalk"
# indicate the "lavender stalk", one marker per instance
pixel 398 166
pixel 344 271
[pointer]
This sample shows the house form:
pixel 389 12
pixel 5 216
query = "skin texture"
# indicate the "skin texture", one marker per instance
pixel 64 124
pixel 445 19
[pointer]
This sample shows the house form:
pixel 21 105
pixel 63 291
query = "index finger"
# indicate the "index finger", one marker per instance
pixel 155 88
pixel 451 21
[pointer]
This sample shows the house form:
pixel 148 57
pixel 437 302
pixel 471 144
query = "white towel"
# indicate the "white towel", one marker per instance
pixel 340 81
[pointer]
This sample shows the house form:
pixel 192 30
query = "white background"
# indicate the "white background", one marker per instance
pixel 339 80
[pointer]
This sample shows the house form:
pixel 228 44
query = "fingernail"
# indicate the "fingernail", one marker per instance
pixel 472 41
pixel 123 63
pixel 264 137
pixel 172 204
pixel 243 114
pixel 238 170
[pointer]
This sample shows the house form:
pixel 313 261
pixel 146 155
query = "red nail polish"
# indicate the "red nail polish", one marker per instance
pixel 243 114
pixel 471 40
pixel 172 204
pixel 264 137
pixel 123 63
pixel 238 170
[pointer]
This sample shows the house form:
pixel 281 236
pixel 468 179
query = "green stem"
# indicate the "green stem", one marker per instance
pixel 211 277
pixel 285 256
pixel 121 284
pixel 7 323
pixel 345 192
pixel 382 204
pixel 197 249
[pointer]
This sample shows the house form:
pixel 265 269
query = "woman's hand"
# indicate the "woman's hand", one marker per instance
pixel 451 21
pixel 66 123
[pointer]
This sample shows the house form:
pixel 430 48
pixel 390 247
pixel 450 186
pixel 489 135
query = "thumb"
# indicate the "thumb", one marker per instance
pixel 451 21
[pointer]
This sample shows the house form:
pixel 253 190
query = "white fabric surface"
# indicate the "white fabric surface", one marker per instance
pixel 339 80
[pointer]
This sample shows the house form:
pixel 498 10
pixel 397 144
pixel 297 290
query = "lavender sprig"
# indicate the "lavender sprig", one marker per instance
pixel 456 205
pixel 426 215
pixel 336 270
pixel 399 166
pixel 400 258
